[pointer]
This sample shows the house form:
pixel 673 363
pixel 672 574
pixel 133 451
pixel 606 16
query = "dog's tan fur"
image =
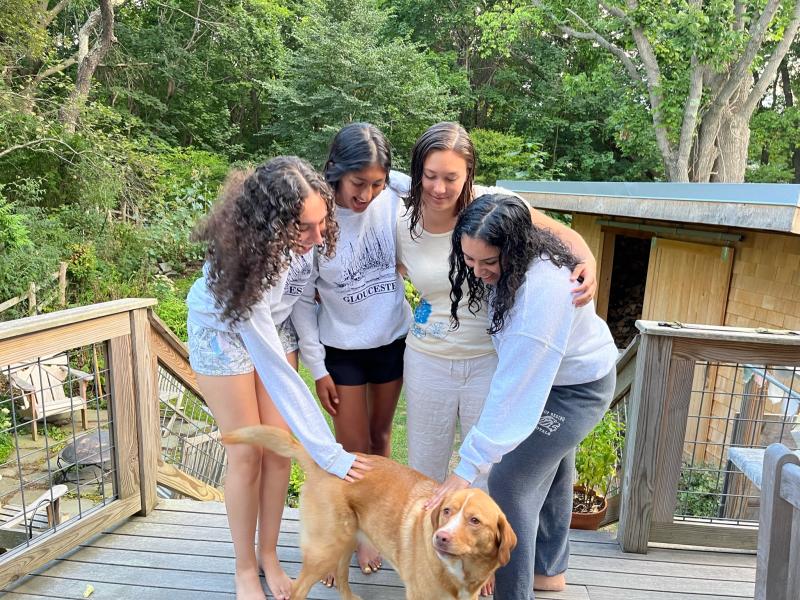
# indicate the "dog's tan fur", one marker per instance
pixel 444 554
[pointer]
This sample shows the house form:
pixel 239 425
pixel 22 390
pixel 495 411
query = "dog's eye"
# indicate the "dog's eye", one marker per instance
pixel 475 521
pixel 446 511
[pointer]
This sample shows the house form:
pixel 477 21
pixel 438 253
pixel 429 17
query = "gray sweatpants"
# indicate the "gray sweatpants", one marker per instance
pixel 533 485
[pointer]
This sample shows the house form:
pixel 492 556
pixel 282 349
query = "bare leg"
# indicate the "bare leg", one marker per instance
pixel 234 404
pixel 352 418
pixel 381 402
pixel 352 423
pixel 274 484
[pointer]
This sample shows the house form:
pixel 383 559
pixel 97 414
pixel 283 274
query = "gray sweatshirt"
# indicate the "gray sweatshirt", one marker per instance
pixel 362 296
pixel 287 390
pixel 545 341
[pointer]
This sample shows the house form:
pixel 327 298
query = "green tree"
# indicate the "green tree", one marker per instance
pixel 344 67
pixel 691 63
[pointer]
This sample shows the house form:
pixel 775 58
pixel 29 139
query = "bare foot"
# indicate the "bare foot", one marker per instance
pixel 546 583
pixel 488 587
pixel 328 581
pixel 248 585
pixel 368 558
pixel 278 582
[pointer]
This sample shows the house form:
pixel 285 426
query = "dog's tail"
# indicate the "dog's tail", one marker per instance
pixel 272 438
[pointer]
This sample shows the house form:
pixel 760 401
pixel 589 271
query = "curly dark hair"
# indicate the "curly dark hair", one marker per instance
pixel 442 136
pixel 504 222
pixel 254 225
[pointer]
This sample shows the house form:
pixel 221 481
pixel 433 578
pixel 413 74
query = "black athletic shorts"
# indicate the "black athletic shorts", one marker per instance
pixel 375 365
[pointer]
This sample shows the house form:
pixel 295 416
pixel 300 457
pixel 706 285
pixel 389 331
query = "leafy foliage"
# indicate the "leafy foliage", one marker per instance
pixel 597 456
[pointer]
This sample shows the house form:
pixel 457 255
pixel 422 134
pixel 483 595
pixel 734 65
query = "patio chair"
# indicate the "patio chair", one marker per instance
pixel 18 524
pixel 41 384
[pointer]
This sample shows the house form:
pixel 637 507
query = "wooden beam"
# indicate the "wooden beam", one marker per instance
pixel 704 535
pixel 729 351
pixel 123 411
pixel 145 380
pixel 671 438
pixel 70 316
pixel 45 548
pixel 775 529
pixel 172 354
pixel 644 424
pixel 174 479
pixel 61 337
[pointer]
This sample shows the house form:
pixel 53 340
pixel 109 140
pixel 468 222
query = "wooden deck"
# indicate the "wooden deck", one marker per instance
pixel 182 550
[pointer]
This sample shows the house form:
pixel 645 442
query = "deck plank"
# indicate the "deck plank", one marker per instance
pixel 183 550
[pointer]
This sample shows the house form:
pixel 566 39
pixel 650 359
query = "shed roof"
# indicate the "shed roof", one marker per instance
pixel 768 206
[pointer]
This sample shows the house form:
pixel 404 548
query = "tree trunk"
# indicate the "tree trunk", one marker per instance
pixel 88 60
pixel 788 98
pixel 732 142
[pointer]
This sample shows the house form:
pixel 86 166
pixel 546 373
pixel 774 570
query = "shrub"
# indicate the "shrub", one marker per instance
pixel 699 491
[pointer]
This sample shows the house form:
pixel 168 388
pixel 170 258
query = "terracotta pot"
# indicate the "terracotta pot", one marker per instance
pixel 590 521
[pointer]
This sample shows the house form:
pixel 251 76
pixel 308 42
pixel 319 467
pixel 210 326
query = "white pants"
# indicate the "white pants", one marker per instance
pixel 440 393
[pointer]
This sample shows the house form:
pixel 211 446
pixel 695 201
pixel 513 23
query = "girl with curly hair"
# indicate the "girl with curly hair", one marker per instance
pixel 554 380
pixel 353 340
pixel 264 217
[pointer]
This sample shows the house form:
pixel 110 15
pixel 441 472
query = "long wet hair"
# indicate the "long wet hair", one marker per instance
pixel 357 146
pixel 504 222
pixel 253 226
pixel 442 136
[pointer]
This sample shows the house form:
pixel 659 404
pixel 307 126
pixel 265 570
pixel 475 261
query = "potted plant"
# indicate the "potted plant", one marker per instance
pixel 596 460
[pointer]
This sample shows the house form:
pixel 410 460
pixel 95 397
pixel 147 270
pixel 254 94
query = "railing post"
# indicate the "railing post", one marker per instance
pixel 145 373
pixel 644 425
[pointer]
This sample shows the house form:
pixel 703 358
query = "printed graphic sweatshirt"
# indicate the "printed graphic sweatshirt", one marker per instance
pixel 362 296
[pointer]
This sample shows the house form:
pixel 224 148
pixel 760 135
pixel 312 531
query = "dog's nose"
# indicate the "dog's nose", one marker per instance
pixel 443 538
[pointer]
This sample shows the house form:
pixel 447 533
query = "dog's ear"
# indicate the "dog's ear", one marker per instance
pixel 435 516
pixel 506 540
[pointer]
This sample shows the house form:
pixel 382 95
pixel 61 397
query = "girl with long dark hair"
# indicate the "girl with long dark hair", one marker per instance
pixel 554 380
pixel 281 209
pixel 353 340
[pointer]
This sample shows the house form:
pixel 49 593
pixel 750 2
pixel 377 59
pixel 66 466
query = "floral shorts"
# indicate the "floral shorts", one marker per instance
pixel 288 335
pixel 217 353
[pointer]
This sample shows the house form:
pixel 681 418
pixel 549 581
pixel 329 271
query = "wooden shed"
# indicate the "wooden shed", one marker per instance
pixel 715 254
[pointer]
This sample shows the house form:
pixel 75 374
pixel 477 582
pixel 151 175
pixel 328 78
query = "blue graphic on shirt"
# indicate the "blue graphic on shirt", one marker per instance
pixel 421 328
pixel 422 312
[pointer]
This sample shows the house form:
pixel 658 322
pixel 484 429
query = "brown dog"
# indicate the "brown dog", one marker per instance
pixel 446 554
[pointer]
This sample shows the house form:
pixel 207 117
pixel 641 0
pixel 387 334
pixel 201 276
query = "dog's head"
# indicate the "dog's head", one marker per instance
pixel 468 525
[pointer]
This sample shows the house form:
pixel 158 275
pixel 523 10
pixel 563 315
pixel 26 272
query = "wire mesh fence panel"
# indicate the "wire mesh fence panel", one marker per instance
pixel 733 405
pixel 190 439
pixel 56 443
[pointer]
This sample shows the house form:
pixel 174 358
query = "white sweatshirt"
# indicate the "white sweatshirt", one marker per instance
pixel 287 390
pixel 545 341
pixel 362 296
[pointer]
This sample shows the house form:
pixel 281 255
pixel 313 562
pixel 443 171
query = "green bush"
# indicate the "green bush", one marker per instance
pixel 296 479
pixel 699 491
pixel 6 438
pixel 597 455
pixel 506 156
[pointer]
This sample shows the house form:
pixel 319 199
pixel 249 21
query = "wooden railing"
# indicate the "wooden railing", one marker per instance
pixel 124 328
pixel 657 424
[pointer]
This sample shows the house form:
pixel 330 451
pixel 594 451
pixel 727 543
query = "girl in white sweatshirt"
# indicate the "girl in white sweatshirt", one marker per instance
pixel 554 380
pixel 353 340
pixel 264 216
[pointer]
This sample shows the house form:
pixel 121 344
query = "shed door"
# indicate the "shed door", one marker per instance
pixel 687 282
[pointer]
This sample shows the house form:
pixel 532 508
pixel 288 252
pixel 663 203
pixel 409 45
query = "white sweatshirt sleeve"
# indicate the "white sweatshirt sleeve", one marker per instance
pixel 290 394
pixel 304 319
pixel 529 357
pixel 514 405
